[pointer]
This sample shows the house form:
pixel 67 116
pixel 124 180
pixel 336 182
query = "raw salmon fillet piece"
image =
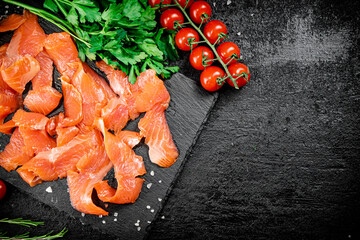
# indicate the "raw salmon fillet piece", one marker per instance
pixel 72 105
pixel 62 50
pixel 115 114
pixel 12 22
pixel 36 121
pixel 65 134
pixel 14 154
pixel 91 169
pixel 43 98
pixel 7 128
pixel 127 167
pixel 36 141
pixel 55 163
pixel 20 72
pixel 154 128
pixel 28 39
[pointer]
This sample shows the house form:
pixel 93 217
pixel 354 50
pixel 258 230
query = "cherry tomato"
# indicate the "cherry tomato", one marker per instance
pixel 236 70
pixel 196 57
pixel 168 18
pixel 209 76
pixel 199 10
pixel 183 3
pixel 2 189
pixel 184 37
pixel 152 3
pixel 212 30
pixel 226 50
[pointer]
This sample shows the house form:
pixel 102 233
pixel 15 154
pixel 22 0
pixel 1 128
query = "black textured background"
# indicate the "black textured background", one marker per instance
pixel 278 159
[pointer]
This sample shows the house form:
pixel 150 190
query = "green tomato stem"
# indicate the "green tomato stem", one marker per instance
pixel 209 44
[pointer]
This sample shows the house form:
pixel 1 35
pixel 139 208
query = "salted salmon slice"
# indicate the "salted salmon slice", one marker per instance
pixel 52 124
pixel 115 114
pixel 100 81
pixel 28 39
pixel 91 169
pixel 153 126
pixel 150 91
pixel 93 97
pixel 56 162
pixel 12 22
pixel 72 105
pixel 14 154
pixel 36 121
pixel 36 141
pixel 18 74
pixel 65 134
pixel 62 50
pixel 127 167
pixel 8 127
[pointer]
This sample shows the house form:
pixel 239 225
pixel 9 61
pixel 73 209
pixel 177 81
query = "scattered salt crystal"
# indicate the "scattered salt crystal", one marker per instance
pixel 152 210
pixel 252 14
pixel 115 219
pixel 214 3
pixel 162 217
pixel 6 12
pixel 103 221
pixel 83 214
pixel 159 199
pixel 7 6
pixel 149 185
pixel 100 216
pixel 67 189
pixel 138 228
pixel 239 33
pixel 149 222
pixel 228 2
pixel 137 224
pixel 152 173
pixel 115 214
pixel 138 221
pixel 160 181
pixel 48 189
pixel 148 207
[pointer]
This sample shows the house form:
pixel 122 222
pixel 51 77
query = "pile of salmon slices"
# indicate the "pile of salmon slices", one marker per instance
pixel 85 141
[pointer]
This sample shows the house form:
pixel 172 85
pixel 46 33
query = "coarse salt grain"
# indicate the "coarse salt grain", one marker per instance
pixel 162 217
pixel 115 214
pixel 214 3
pixel 149 222
pixel 160 181
pixel 148 207
pixel 159 199
pixel 100 216
pixel 152 173
pixel 103 221
pixel 83 214
pixel 48 189
pixel 7 6
pixel 137 224
pixel 149 185
pixel 115 219
pixel 152 210
pixel 138 228
pixel 228 2
pixel 239 33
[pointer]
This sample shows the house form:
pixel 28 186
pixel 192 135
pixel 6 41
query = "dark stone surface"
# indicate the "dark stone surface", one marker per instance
pixel 278 159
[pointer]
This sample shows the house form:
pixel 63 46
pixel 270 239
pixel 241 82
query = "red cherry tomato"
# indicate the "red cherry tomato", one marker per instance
pixel 197 55
pixel 209 76
pixel 2 189
pixel 184 37
pixel 152 3
pixel 236 70
pixel 212 30
pixel 168 18
pixel 200 11
pixel 183 3
pixel 227 50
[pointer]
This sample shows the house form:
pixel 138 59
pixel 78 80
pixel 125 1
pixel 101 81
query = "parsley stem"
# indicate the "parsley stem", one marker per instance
pixel 61 8
pixel 208 43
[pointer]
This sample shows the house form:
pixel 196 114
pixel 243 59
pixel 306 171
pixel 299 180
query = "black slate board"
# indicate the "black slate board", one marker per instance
pixel 188 109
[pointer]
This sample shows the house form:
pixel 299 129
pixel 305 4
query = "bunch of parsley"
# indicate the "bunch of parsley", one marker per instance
pixel 124 35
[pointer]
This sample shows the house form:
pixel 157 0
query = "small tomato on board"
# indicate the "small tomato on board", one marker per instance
pixel 198 55
pixel 213 30
pixel 2 189
pixel 183 3
pixel 227 50
pixel 239 71
pixel 152 3
pixel 200 11
pixel 209 77
pixel 185 37
pixel 169 16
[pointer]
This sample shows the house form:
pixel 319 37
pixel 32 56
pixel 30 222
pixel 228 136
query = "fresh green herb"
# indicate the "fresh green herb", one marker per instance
pixel 29 223
pixel 125 35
